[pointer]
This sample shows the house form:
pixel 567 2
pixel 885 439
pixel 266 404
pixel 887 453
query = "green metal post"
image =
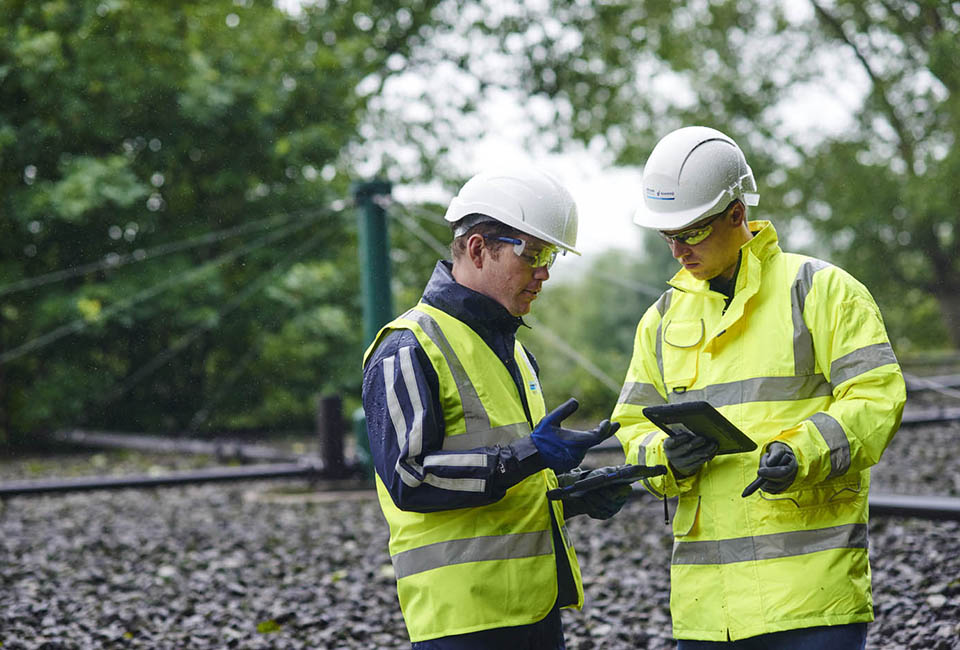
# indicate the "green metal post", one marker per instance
pixel 374 257
pixel 374 243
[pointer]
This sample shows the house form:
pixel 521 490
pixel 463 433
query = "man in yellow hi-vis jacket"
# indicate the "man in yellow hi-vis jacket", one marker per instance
pixel 793 351
pixel 463 446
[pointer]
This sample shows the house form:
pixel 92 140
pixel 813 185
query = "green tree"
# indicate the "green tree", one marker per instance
pixel 187 161
pixel 877 190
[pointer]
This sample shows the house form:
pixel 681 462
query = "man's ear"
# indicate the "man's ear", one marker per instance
pixel 475 246
pixel 738 213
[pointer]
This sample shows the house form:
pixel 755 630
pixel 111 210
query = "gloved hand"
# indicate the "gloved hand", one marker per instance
pixel 778 468
pixel 563 449
pixel 686 452
pixel 601 503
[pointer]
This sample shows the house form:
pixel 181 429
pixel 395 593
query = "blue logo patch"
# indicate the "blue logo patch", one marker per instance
pixel 533 386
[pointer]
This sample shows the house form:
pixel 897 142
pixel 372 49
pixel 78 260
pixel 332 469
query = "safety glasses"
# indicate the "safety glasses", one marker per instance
pixel 545 256
pixel 693 236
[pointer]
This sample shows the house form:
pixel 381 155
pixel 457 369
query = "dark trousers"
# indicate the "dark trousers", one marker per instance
pixel 832 637
pixel 546 634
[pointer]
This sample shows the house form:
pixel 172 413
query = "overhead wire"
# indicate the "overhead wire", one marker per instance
pixel 641 288
pixel 181 343
pixel 549 336
pixel 237 369
pixel 116 261
pixel 422 234
pixel 557 342
pixel 82 323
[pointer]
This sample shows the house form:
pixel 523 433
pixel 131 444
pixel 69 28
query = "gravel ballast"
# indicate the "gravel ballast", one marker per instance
pixel 271 565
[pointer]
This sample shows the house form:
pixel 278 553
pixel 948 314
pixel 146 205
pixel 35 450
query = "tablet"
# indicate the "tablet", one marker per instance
pixel 618 475
pixel 700 419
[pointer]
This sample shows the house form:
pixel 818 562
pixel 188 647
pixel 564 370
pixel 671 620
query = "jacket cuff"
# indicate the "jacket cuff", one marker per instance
pixel 515 462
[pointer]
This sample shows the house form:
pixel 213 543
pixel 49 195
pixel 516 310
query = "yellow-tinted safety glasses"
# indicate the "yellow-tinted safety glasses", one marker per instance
pixel 693 236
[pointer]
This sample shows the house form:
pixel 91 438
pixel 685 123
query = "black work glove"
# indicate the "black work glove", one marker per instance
pixel 687 453
pixel 778 468
pixel 601 503
pixel 563 449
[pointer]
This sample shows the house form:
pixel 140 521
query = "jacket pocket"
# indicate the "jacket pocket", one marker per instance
pixel 838 492
pixel 682 340
pixel 686 516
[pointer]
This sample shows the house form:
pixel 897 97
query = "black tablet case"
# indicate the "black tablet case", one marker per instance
pixel 701 419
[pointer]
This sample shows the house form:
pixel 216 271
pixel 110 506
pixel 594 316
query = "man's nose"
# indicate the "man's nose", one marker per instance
pixel 677 249
pixel 541 273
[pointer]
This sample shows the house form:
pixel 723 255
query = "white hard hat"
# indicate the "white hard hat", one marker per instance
pixel 692 173
pixel 529 200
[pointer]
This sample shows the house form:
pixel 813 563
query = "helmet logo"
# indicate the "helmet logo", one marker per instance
pixel 660 195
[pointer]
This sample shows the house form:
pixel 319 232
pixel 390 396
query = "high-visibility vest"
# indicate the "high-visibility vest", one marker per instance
pixel 799 355
pixel 492 566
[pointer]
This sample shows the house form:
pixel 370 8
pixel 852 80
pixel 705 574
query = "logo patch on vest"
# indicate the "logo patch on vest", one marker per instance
pixel 533 386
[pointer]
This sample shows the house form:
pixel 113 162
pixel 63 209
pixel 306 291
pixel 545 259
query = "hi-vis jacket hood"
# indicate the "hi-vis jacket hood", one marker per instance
pixel 800 355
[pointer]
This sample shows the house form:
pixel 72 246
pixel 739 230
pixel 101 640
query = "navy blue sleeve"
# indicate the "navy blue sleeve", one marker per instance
pixel 405 426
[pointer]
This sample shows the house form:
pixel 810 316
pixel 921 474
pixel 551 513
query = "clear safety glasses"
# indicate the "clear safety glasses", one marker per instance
pixel 693 236
pixel 545 256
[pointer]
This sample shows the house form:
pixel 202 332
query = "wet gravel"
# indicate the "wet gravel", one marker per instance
pixel 271 565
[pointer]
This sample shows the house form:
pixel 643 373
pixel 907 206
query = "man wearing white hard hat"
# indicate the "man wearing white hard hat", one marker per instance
pixel 770 545
pixel 462 443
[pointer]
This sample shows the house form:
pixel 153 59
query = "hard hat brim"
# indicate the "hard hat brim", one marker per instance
pixel 665 220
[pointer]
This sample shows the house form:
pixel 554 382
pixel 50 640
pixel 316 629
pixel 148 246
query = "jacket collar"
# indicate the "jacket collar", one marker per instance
pixel 762 246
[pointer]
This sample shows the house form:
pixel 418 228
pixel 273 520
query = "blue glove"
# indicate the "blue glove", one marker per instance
pixel 687 453
pixel 778 468
pixel 563 449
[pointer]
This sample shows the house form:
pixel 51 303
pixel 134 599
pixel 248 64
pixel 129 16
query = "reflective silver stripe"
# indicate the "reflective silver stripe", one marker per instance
pixel 640 394
pixel 771 547
pixel 399 423
pixel 475 549
pixel 642 460
pixel 860 361
pixel 455 460
pixel 758 389
pixel 479 433
pixel 496 436
pixel 475 416
pixel 457 484
pixel 663 304
pixel 836 440
pixel 803 359
pixel 415 437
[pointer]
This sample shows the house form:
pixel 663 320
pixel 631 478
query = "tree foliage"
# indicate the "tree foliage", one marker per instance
pixel 185 161
pixel 177 247
pixel 847 110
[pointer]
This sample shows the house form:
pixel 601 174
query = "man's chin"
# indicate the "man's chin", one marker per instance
pixel 522 309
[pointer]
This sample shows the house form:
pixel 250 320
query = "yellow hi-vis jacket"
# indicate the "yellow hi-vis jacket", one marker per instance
pixel 801 355
pixel 471 569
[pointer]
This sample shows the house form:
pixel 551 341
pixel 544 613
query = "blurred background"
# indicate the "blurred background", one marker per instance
pixel 181 183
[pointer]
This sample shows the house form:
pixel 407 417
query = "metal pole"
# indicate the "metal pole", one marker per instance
pixel 374 257
pixel 330 432
pixel 223 450
pixel 209 475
